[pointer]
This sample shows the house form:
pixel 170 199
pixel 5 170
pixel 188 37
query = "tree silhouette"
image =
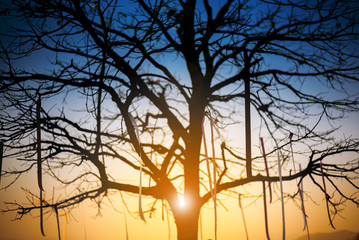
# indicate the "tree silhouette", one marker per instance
pixel 147 74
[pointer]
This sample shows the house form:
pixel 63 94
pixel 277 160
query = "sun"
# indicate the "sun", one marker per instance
pixel 181 202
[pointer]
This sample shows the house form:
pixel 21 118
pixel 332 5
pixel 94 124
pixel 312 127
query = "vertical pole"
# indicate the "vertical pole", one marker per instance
pixel 38 146
pixel 247 113
pixel 1 154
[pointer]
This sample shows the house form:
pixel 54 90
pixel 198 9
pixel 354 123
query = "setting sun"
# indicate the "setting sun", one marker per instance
pixel 178 119
pixel 182 203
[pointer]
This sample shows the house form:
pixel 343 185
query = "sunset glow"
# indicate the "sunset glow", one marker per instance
pixel 179 119
pixel 182 203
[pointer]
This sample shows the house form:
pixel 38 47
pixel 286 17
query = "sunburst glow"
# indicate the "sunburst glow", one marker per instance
pixel 182 203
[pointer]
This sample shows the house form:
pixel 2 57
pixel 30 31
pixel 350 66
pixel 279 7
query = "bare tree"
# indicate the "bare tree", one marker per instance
pixel 159 68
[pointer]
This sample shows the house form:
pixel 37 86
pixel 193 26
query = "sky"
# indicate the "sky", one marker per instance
pixel 83 222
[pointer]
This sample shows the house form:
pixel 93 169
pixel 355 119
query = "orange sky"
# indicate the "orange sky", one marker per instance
pixel 111 224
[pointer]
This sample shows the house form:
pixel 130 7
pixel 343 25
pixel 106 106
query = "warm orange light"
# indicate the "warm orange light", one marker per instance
pixel 181 202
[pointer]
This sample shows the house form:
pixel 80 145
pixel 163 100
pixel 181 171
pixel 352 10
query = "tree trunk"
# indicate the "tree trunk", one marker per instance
pixel 187 223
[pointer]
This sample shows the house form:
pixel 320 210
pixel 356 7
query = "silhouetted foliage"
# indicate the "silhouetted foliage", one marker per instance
pixel 167 64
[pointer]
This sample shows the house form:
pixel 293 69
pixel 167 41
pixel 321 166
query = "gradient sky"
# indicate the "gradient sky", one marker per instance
pixel 82 223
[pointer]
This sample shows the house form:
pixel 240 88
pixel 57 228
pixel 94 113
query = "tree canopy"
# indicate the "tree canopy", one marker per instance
pixel 109 88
